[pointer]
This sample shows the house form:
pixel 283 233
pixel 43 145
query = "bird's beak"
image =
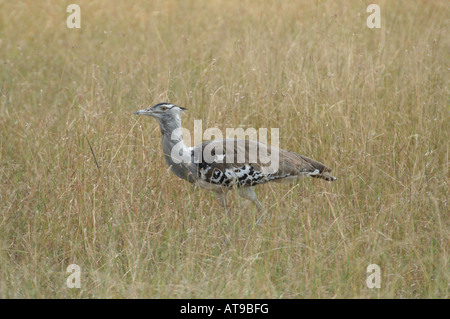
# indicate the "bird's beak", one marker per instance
pixel 144 112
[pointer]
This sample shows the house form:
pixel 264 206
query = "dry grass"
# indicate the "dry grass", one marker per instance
pixel 372 104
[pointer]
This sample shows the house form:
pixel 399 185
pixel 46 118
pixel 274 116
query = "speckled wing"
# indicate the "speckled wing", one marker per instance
pixel 241 163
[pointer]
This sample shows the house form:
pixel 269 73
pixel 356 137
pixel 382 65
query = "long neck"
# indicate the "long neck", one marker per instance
pixel 176 153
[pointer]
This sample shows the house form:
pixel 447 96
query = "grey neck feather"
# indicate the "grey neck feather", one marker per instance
pixel 172 138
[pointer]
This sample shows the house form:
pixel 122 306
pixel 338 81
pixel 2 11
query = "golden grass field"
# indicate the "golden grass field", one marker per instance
pixel 373 104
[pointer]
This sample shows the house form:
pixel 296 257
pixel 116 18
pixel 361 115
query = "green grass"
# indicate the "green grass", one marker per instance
pixel 370 103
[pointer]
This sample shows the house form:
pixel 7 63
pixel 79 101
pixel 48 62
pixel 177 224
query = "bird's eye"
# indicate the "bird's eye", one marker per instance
pixel 163 108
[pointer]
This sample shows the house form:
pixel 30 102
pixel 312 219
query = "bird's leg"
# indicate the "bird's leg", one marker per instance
pixel 223 201
pixel 249 193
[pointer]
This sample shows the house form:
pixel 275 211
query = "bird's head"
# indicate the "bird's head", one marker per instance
pixel 162 111
pixel 168 116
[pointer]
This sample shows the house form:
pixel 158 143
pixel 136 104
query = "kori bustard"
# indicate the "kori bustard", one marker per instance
pixel 224 164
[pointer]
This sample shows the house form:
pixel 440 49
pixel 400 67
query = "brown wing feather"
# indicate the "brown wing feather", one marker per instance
pixel 245 155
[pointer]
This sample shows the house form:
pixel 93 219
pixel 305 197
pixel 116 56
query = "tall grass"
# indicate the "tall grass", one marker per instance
pixel 370 103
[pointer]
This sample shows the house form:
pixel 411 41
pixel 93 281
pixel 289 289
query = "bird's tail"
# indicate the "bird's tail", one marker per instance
pixel 325 176
pixel 318 170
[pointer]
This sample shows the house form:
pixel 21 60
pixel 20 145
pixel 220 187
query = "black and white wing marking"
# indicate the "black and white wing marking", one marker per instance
pixel 234 173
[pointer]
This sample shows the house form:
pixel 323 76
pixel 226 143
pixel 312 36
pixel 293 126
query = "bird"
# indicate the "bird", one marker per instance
pixel 221 165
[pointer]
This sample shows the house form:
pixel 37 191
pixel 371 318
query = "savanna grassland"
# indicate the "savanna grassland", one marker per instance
pixel 373 104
